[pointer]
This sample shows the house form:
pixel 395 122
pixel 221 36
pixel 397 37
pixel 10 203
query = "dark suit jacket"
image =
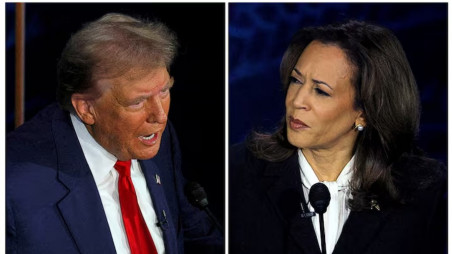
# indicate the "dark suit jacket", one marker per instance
pixel 52 202
pixel 265 213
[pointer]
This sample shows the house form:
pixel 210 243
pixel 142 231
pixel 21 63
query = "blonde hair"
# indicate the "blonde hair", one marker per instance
pixel 108 48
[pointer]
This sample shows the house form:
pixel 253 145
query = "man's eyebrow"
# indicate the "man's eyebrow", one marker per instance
pixel 314 80
pixel 170 83
pixel 139 99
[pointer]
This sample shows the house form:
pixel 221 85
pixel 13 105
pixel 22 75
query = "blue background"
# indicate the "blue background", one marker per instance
pixel 259 33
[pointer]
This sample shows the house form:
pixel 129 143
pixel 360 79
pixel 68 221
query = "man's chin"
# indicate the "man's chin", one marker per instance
pixel 147 154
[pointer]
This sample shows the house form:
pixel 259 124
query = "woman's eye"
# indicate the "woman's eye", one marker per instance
pixel 321 92
pixel 293 80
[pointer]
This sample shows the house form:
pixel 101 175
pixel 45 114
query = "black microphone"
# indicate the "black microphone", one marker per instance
pixel 319 197
pixel 198 198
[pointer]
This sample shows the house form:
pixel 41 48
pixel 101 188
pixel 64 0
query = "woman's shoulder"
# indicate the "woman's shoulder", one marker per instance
pixel 241 158
pixel 414 174
pixel 243 162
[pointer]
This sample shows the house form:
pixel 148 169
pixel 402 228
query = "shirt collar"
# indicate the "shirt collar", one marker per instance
pixel 100 161
pixel 309 178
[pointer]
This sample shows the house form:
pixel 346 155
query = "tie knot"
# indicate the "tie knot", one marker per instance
pixel 123 167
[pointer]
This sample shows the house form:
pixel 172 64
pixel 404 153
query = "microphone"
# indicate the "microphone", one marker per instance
pixel 198 198
pixel 319 197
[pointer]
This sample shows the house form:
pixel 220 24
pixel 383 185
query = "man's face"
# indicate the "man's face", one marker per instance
pixel 131 112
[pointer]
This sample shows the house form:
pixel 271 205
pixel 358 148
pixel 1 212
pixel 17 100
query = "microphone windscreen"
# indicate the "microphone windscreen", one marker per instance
pixel 319 197
pixel 196 195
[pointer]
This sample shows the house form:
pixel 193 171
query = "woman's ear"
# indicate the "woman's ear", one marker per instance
pixel 360 120
pixel 83 108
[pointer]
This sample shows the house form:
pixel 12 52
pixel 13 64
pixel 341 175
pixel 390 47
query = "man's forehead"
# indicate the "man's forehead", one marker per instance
pixel 154 79
pixel 135 74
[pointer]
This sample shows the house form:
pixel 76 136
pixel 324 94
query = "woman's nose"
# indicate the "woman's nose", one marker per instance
pixel 301 97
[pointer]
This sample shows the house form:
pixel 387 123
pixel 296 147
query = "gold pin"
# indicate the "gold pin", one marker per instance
pixel 374 205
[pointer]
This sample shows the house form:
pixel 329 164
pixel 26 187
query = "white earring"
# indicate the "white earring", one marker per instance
pixel 359 127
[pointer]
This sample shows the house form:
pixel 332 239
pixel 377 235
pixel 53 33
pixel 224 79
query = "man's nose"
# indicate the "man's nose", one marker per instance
pixel 156 112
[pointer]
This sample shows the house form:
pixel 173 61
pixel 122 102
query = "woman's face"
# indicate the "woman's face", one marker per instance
pixel 319 101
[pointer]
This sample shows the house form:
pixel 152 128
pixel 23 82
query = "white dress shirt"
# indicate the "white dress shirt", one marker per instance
pixel 338 210
pixel 101 163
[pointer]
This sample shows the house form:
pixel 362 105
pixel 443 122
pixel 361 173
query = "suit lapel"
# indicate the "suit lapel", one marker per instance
pixel 360 230
pixel 283 184
pixel 81 208
pixel 154 183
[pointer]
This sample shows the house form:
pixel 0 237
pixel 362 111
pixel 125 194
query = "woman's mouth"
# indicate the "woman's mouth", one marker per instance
pixel 297 124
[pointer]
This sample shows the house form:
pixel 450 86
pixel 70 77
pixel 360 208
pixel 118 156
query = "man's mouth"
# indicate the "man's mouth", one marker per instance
pixel 149 140
pixel 148 137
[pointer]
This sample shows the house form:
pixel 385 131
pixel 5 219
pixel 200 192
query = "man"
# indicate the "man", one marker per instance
pixel 100 172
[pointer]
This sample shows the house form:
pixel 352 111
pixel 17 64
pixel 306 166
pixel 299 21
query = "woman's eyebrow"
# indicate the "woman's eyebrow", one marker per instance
pixel 322 82
pixel 297 71
pixel 313 80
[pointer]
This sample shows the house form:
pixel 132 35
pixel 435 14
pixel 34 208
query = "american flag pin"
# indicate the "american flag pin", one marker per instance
pixel 157 179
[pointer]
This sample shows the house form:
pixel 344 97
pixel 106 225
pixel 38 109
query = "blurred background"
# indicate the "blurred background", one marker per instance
pixel 259 33
pixel 197 105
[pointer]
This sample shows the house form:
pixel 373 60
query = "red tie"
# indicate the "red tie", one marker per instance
pixel 140 240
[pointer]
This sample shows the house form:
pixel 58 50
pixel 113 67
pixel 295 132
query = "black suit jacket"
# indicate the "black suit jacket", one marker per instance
pixel 53 205
pixel 265 211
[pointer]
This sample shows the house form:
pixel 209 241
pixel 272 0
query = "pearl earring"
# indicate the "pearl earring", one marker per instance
pixel 359 127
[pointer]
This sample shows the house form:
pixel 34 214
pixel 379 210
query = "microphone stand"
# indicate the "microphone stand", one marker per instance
pixel 322 233
pixel 214 220
pixel 198 198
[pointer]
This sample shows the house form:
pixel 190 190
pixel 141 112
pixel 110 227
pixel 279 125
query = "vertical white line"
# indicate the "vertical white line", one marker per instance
pixel 226 140
pixel 2 126
pixel 449 115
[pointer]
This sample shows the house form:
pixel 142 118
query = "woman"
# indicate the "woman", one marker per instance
pixel 352 116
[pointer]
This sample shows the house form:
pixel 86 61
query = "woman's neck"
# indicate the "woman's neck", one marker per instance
pixel 327 164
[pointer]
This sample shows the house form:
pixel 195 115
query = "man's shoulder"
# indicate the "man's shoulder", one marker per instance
pixel 33 142
pixel 38 125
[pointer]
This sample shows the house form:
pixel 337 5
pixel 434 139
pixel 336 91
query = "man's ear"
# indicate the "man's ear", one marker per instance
pixel 83 108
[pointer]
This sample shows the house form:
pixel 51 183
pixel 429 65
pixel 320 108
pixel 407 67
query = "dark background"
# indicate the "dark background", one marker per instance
pixel 197 105
pixel 258 36
pixel 260 33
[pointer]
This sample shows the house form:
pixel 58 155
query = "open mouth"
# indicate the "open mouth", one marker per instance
pixel 148 137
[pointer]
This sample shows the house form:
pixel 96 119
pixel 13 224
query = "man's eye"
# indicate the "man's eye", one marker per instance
pixel 137 104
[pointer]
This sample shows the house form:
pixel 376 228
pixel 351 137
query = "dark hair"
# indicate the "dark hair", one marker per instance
pixel 386 92
pixel 108 48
